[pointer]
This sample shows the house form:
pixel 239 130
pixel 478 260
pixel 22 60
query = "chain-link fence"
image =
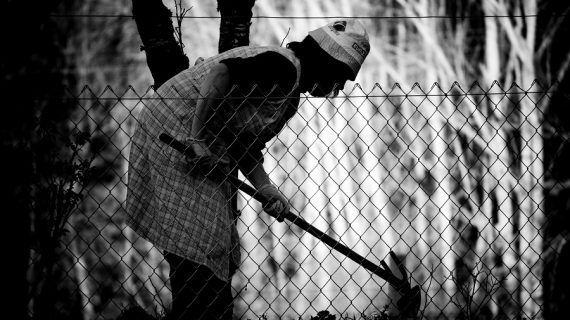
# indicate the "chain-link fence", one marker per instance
pixel 457 181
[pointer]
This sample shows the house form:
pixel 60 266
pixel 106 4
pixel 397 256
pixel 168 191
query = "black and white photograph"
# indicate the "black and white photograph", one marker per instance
pixel 286 159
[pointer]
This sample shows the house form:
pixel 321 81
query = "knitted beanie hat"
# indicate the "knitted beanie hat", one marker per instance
pixel 345 40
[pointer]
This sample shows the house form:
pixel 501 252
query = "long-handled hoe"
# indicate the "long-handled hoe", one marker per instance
pixel 410 297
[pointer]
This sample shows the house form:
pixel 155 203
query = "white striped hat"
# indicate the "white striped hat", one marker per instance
pixel 345 40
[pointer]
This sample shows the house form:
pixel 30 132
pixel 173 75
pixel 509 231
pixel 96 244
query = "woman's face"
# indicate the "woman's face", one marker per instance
pixel 322 75
pixel 327 77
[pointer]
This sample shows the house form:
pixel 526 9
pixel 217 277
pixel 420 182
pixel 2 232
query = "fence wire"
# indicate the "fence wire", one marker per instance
pixel 459 182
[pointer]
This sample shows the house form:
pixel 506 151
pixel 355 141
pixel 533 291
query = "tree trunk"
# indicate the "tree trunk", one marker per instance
pixel 235 22
pixel 164 55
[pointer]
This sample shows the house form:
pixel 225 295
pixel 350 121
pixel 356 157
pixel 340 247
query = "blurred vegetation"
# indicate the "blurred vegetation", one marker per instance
pixel 553 60
pixel 41 173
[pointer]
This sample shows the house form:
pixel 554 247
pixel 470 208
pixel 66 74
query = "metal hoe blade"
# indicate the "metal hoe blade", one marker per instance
pixel 410 297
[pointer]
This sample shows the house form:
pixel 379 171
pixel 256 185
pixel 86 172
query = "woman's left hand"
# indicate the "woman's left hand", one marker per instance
pixel 277 205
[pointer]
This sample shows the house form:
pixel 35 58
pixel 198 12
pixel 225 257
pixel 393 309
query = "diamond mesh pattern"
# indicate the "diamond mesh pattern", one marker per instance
pixel 451 179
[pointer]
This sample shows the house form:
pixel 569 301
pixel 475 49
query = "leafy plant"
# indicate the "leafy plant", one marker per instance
pixel 60 175
pixel 475 293
pixel 379 315
pixel 324 315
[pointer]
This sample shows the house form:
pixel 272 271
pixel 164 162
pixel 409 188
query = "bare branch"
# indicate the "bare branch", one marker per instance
pixel 180 13
pixel 285 37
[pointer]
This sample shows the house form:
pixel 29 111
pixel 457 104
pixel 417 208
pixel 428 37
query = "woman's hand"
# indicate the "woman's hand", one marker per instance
pixel 276 205
pixel 205 162
pixel 200 149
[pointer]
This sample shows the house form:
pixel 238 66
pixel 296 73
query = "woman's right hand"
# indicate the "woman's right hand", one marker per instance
pixel 200 148
pixel 205 162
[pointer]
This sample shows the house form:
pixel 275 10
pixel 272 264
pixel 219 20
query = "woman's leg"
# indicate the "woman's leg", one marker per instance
pixel 196 292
